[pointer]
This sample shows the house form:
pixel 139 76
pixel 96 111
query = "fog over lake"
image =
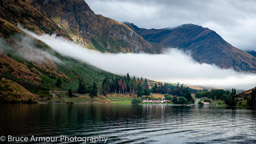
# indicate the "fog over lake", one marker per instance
pixel 171 66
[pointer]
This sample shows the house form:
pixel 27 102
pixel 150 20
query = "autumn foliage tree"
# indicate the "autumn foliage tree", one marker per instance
pixel 125 85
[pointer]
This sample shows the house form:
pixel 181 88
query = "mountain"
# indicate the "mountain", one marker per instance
pixel 32 70
pixel 13 12
pixel 252 52
pixel 205 45
pixel 73 19
pixel 29 68
pixel 91 30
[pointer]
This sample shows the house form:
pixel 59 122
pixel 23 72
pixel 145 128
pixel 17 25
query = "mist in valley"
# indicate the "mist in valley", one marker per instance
pixel 172 66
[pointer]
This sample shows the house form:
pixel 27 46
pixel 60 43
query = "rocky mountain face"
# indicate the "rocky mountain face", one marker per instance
pixel 205 45
pixel 91 30
pixel 13 12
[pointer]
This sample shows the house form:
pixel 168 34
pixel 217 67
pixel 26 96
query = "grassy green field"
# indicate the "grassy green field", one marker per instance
pixel 120 100
pixel 62 97
pixel 80 100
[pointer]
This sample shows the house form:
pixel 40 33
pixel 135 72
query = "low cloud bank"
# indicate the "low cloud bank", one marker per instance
pixel 172 66
pixel 28 50
pixel 25 47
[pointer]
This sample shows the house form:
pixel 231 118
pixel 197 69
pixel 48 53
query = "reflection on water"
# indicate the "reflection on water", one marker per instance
pixel 131 123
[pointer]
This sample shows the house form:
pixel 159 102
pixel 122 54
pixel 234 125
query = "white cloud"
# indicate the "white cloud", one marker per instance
pixel 172 66
pixel 27 49
pixel 235 20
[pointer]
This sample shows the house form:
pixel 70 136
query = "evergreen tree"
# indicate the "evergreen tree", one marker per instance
pixel 176 90
pixel 188 96
pixel 105 86
pixel 182 91
pixel 93 91
pixel 116 85
pixel 160 89
pixel 70 93
pixel 128 83
pixel 154 88
pixel 139 90
pixel 230 99
pixel 146 89
pixel 133 85
pixel 145 84
pixel 252 99
pixel 175 100
pixel 120 84
pixel 58 83
pixel 146 92
pixel 124 87
pixel 142 85
pixel 165 89
pixel 81 87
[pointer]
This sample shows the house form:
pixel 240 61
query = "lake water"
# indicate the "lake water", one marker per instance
pixel 131 123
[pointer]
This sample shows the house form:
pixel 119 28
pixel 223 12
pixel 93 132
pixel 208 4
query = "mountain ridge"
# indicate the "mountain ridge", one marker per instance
pixel 91 30
pixel 206 46
pixel 252 52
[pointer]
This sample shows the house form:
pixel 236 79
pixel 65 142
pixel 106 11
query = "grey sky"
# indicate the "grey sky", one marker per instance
pixel 234 20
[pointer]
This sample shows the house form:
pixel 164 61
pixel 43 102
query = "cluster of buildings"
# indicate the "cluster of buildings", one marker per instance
pixel 156 101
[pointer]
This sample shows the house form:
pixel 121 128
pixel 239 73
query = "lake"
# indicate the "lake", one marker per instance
pixel 130 123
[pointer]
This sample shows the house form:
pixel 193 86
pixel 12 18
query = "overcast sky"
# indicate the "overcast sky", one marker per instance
pixel 234 20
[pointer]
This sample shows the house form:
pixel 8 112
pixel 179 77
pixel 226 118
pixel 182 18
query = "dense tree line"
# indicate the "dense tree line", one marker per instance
pixel 120 85
pixel 139 86
pixel 219 94
pixel 178 90
pixel 133 86
pixel 125 85
pixel 213 94
pixel 82 89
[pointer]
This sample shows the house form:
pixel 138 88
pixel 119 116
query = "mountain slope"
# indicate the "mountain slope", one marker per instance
pixel 36 67
pixel 29 64
pixel 91 30
pixel 21 12
pixel 11 91
pixel 205 45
